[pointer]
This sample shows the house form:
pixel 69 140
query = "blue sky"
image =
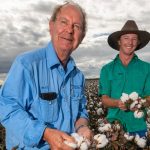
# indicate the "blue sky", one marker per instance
pixel 24 26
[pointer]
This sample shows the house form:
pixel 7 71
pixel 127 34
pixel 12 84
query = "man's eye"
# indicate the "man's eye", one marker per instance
pixel 135 39
pixel 77 27
pixel 63 22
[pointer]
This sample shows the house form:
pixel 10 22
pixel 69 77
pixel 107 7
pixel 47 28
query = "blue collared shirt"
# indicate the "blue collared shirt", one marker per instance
pixel 25 114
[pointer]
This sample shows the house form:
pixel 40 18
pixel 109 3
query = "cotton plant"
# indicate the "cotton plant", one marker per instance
pixel 108 133
pixel 128 137
pixel 116 136
pixel 100 111
pixel 134 103
pixel 140 141
pixel 81 142
pixel 100 140
pixel 106 127
pixel 138 114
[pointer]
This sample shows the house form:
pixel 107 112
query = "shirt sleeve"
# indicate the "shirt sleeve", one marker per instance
pixel 147 84
pixel 15 100
pixel 104 83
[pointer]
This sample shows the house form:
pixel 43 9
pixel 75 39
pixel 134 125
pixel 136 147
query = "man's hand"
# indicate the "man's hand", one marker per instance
pixel 121 105
pixel 56 139
pixel 86 132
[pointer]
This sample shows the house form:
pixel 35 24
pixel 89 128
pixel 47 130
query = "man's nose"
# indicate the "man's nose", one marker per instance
pixel 70 28
pixel 130 41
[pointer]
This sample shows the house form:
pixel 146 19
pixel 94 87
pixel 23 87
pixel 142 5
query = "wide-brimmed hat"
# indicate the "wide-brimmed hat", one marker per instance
pixel 129 27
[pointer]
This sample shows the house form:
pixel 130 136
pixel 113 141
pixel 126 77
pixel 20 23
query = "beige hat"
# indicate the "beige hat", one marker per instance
pixel 129 27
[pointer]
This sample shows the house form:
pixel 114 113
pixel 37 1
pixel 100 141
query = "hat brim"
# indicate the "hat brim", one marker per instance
pixel 113 38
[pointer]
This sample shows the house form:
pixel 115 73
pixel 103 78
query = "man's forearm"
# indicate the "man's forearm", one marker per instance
pixel 109 102
pixel 148 100
pixel 81 122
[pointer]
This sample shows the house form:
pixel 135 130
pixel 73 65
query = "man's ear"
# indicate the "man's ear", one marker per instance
pixel 118 42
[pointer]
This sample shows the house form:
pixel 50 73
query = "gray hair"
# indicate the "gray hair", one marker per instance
pixel 59 7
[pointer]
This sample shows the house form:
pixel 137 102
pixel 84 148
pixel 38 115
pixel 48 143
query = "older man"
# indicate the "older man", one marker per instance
pixel 42 101
pixel 126 74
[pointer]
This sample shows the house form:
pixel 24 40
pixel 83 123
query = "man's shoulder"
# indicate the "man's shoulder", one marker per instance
pixel 108 65
pixel 78 71
pixel 31 56
pixel 144 63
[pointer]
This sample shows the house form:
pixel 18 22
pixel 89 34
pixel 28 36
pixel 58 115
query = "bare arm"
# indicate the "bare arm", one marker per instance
pixel 82 128
pixel 109 102
pixel 148 100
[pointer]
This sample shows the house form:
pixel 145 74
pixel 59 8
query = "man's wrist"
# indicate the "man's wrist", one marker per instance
pixel 81 126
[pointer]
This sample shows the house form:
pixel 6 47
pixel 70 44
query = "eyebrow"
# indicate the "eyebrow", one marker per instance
pixel 68 20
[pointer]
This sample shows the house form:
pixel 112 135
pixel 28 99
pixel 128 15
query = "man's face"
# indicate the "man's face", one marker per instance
pixel 67 31
pixel 128 43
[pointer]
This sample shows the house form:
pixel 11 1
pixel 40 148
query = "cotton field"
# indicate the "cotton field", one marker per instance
pixel 106 136
pixel 110 136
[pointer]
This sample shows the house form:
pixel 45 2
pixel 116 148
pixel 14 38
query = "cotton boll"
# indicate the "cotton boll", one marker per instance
pixel 101 140
pixel 72 145
pixel 133 96
pixel 148 125
pixel 100 111
pixel 91 106
pixel 148 112
pixel 128 137
pixel 82 143
pixel 138 114
pixel 84 146
pixel 124 97
pixel 100 104
pixel 106 127
pixel 100 120
pixel 141 142
pixel 139 106
pixel 79 139
pixel 100 137
pixel 75 135
pixel 143 100
pixel 101 145
pixel 97 136
pixel 133 104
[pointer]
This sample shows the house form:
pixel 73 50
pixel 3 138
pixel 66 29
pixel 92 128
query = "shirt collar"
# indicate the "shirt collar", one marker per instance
pixel 135 57
pixel 51 56
pixel 53 60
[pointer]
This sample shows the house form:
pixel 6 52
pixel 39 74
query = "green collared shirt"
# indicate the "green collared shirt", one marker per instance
pixel 115 79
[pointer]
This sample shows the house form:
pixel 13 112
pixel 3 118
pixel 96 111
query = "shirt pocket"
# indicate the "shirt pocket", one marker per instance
pixel 76 99
pixel 49 110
